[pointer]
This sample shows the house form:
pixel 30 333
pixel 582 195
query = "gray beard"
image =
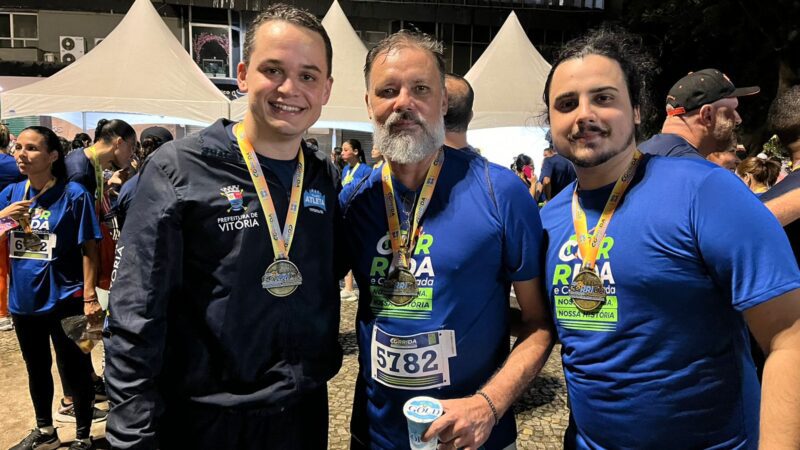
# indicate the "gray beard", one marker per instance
pixel 406 148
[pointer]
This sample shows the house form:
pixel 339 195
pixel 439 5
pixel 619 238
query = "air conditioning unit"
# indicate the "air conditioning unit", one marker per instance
pixel 72 48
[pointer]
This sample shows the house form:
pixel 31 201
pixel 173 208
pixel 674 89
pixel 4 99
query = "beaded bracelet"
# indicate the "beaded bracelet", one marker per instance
pixel 491 405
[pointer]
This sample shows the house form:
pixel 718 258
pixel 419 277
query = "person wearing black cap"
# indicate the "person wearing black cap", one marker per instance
pixel 151 139
pixel 701 116
pixel 655 269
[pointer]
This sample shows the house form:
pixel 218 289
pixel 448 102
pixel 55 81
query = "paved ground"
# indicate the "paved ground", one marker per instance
pixel 541 412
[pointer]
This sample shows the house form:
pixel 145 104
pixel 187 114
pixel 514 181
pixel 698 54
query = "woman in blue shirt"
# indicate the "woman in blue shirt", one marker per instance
pixel 356 168
pixel 53 264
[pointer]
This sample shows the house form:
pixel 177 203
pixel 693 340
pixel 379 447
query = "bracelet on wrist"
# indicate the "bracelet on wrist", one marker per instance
pixel 90 300
pixel 491 405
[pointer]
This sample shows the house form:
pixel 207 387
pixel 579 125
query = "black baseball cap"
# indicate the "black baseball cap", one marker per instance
pixel 701 88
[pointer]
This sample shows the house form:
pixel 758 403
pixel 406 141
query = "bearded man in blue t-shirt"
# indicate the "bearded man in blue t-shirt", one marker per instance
pixel 438 236
pixel 655 267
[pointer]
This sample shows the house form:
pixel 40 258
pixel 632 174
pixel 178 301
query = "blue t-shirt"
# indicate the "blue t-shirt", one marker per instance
pixel 63 217
pixel 477 238
pixel 560 172
pixel 666 361
pixel 362 170
pixel 81 170
pixel 9 172
pixel 666 144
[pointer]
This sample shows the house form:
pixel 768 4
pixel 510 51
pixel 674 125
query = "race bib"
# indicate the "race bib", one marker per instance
pixel 31 246
pixel 415 362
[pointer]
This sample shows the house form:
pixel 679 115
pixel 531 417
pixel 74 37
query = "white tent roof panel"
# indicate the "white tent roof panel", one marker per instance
pixel 508 80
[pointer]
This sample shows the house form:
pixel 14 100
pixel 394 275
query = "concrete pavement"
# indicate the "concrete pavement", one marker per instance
pixel 541 413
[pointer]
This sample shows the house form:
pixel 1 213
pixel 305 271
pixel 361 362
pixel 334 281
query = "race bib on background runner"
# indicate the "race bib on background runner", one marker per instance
pixel 416 362
pixel 19 247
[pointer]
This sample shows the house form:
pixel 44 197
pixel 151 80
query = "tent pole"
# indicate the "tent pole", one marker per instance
pixel 83 120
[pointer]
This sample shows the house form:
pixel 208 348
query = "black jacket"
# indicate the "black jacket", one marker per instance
pixel 189 322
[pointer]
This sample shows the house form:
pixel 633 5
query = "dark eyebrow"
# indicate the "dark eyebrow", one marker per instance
pixel 279 63
pixel 604 88
pixel 593 91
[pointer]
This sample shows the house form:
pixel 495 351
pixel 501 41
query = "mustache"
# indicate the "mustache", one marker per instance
pixel 396 117
pixel 591 128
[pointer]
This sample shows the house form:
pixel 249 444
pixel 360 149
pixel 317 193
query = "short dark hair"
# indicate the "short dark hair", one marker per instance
pixel 53 143
pixel 109 129
pixel 623 47
pixel 784 115
pixel 80 139
pixel 406 38
pixel 295 16
pixel 459 106
pixel 521 161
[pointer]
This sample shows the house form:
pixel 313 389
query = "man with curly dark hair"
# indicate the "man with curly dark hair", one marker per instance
pixel 784 198
pixel 657 266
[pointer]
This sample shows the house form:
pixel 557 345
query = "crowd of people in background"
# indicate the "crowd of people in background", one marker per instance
pixel 227 249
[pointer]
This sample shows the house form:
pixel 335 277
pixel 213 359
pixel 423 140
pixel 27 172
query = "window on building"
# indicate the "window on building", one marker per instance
pixel 19 30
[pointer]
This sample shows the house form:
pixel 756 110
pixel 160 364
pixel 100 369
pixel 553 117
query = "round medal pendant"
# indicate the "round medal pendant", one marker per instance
pixel 587 291
pixel 31 241
pixel 281 278
pixel 400 287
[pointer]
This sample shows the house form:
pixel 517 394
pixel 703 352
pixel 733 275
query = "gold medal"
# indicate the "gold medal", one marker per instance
pixel 400 287
pixel 281 278
pixel 587 291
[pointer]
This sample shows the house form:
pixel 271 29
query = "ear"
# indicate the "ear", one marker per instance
pixel 444 102
pixel 241 76
pixel 637 116
pixel 369 107
pixel 706 114
pixel 326 95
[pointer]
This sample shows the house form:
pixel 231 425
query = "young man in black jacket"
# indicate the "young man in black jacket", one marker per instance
pixel 224 311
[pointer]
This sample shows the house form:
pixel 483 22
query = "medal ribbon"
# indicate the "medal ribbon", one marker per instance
pixel 402 248
pixel 25 223
pixel 350 174
pixel 589 244
pixel 281 242
pixel 47 186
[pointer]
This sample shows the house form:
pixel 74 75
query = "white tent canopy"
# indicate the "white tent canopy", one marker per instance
pixel 508 80
pixel 139 68
pixel 346 108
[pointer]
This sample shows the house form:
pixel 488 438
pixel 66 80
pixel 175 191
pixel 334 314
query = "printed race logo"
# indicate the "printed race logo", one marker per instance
pixel 234 195
pixel 421 266
pixel 39 219
pixel 314 200
pixel 567 314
